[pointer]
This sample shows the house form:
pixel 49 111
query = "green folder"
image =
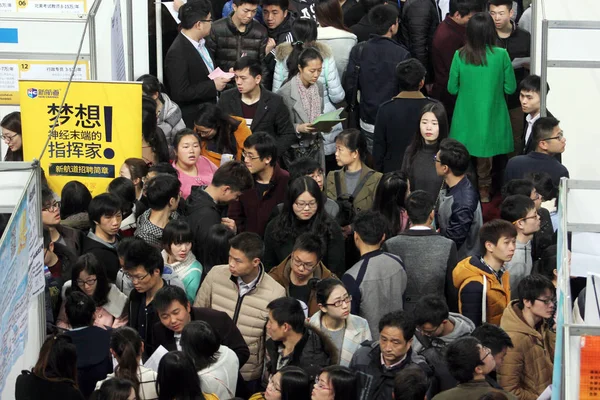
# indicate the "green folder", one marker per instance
pixel 325 122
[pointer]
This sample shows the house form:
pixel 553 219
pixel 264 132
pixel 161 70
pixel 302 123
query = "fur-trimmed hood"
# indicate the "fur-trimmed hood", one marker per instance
pixel 284 50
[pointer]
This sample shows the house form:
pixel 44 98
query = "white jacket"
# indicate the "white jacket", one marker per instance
pixel 221 377
pixel 341 42
pixel 147 379
pixel 170 119
pixel 333 92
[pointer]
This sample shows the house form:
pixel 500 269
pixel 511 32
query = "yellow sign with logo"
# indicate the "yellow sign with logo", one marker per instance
pixel 99 126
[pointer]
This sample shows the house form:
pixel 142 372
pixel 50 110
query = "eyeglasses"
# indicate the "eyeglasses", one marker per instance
pixel 320 385
pixel 487 352
pixel 428 332
pixel 339 303
pixel 547 302
pixel 526 218
pixel 436 159
pixel 300 264
pixel 272 384
pixel 9 138
pixel 560 136
pixel 205 20
pixel 136 278
pixel 303 204
pixel 247 156
pixel 89 282
pixel 52 207
pixel 536 196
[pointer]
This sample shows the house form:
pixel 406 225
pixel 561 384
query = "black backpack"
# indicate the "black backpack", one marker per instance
pixel 346 201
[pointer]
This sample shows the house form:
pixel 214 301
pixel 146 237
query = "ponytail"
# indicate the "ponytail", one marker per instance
pixel 305 33
pixel 127 346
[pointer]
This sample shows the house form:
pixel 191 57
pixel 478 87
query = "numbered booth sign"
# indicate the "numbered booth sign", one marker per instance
pixel 45 6
pixel 98 127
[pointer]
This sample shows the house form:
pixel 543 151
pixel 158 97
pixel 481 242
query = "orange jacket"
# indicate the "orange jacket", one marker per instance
pixel 241 133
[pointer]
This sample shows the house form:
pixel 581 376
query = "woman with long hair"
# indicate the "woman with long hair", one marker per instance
pixel 221 133
pixel 289 383
pixel 194 169
pixel 334 33
pixel 335 383
pixel 124 189
pixel 11 134
pixel 303 211
pixel 89 277
pixel 54 376
pixel 480 76
pixel 154 144
pixel 216 247
pixel 126 347
pixel 75 199
pixel 392 190
pixel 418 163
pixel 116 389
pixel 177 379
pixel 217 365
pixel 135 169
pixel 304 32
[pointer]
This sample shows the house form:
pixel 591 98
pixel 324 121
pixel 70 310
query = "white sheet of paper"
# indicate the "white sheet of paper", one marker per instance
pixel 546 394
pixel 585 256
pixel 155 358
pixel 174 14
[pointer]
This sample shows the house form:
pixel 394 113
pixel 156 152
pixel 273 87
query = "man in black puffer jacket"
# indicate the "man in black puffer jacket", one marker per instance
pixel 238 35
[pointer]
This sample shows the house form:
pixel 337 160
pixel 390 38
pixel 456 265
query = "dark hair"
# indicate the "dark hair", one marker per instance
pixel 164 168
pixel 546 264
pixel 253 65
pixel 493 337
pixel 138 169
pixel 383 17
pixel 167 295
pixel 194 11
pixel 370 226
pixel 295 383
pixel 329 13
pixel 103 205
pixel 115 389
pixel 532 287
pixel 400 320
pixel 80 309
pixel 493 231
pixel 211 116
pixel 287 226
pixel 324 288
pixel 516 207
pixel 304 57
pixel 216 246
pixel 462 356
pixel 419 205
pixel 368 5
pixel 151 85
pixel 264 144
pixel 47 196
pixel 161 189
pixel 288 310
pixel 89 263
pixel 75 198
pixel 354 140
pixel 304 32
pixel 200 341
pixel 390 198
pixel 517 186
pixel 542 181
pixel 507 3
pixel 410 384
pixel 125 190
pixel 344 382
pixel 410 73
pixel 57 361
pixel 126 343
pixel 47 238
pixel 283 4
pixel 141 254
pixel 124 244
pixel 464 7
pixel 481 37
pixel 248 243
pixel 418 142
pixel 240 2
pixel 177 231
pixel 310 243
pixel 543 128
pixel 177 377
pixel 532 83
pixel 431 309
pixel 455 156
pixel 12 122
pixel 235 175
pixel 151 133
pixel 303 166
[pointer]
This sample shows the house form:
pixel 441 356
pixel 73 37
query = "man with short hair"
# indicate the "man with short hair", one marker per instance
pixel 163 193
pixel 397 118
pixel 375 63
pixel 243 290
pixel 380 276
pixel 428 257
pixel 485 275
pixel 293 342
pixel 377 362
pixel 494 338
pixel 530 97
pixel 410 384
pixel 521 212
pixel 469 363
pixel 548 140
pixel 263 110
pixel 278 21
pixel 527 368
pixel 105 216
pixel 206 205
pixel 437 327
pixel 458 214
pixel 363 29
pixel 449 36
pixel 251 213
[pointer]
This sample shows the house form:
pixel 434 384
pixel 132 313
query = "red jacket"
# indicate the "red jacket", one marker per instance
pixel 250 213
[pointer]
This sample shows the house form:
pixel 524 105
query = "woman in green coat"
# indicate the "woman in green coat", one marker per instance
pixel 481 74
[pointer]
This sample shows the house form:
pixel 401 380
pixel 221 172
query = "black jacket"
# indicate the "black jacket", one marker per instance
pixel 223 325
pixel 312 353
pixel 420 19
pixel 377 79
pixel 31 387
pixel 93 361
pixel 281 34
pixel 73 238
pixel 202 212
pixel 395 128
pixel 518 167
pixel 186 78
pixel 272 116
pixel 355 15
pixel 544 237
pixel 518 45
pixel 107 256
pixel 363 29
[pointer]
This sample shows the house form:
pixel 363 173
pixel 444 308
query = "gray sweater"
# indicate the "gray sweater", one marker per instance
pixel 519 267
pixel 429 259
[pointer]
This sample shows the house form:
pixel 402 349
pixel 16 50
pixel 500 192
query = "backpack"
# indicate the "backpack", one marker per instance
pixel 346 201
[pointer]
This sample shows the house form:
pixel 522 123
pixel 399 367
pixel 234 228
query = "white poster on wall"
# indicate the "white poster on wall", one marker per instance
pixel 117 46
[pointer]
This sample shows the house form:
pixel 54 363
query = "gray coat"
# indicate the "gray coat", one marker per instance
pixel 519 267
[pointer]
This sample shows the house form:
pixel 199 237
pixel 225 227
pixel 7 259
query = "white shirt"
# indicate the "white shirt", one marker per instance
pixel 202 50
pixel 530 121
pixel 177 337
pixel 246 287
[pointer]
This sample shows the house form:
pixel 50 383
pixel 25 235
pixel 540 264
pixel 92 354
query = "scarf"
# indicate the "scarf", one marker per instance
pixel 311 101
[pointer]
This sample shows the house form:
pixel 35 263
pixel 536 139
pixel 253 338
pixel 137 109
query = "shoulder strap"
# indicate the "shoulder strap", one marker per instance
pixel 484 301
pixel 338 184
pixel 361 184
pixel 326 77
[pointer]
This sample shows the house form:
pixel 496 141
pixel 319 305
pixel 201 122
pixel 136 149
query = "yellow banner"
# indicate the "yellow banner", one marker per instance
pixel 100 125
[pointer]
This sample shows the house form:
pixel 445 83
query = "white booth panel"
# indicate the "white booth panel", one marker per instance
pixel 11 188
pixel 573 44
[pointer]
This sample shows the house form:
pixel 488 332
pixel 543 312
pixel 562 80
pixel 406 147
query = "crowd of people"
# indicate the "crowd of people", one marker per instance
pixel 408 252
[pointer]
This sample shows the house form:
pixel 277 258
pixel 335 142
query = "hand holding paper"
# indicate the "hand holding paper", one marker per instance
pixel 326 122
pixel 219 73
